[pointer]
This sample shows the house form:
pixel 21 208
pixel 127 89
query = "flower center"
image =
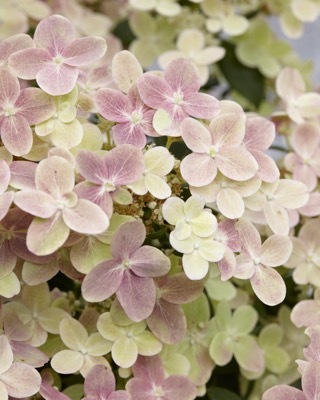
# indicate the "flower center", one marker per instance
pixel 256 260
pixel 178 97
pixel 213 151
pixel 109 186
pixel 126 264
pixel 136 117
pixel 58 59
pixel 9 110
pixel 158 391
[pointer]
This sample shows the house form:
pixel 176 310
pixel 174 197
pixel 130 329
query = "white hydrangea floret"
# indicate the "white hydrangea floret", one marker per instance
pixel 158 163
pixel 189 217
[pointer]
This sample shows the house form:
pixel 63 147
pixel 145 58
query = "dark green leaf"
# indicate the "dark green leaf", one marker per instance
pixel 124 33
pixel 249 82
pixel 221 394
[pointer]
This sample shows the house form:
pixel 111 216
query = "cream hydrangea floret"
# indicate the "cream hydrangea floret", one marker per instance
pixel 158 163
pixel 193 234
pixel 191 44
pixel 189 217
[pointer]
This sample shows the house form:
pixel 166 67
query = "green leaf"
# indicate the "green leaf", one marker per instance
pixel 221 394
pixel 249 82
pixel 124 33
pixel 75 392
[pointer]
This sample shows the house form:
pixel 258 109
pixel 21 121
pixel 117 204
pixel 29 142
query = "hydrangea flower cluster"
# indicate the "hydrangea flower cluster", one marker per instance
pixel 146 231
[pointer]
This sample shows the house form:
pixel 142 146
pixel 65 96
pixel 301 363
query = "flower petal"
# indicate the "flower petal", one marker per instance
pixel 86 217
pixel 67 361
pixel 276 250
pixel 45 236
pixel 268 285
pixel 84 51
pixel 21 380
pixel 137 296
pixel 102 282
pixel 16 135
pixel 57 79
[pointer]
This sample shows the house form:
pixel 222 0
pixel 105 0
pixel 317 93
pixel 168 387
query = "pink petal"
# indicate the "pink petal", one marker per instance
pixel 268 170
pixel 113 105
pixel 312 208
pixel 178 289
pixel 125 164
pixel 182 76
pixel 91 167
pixel 198 169
pixel 291 194
pixel 13 44
pixel 36 203
pixel 227 265
pixel 129 133
pixel 167 322
pixel 149 369
pixel 128 238
pixel 260 133
pixel 148 261
pixel 103 281
pixel 54 176
pixel 86 217
pixel 310 380
pixel 268 285
pixel 57 79
pixel 141 389
pixel 236 163
pixel 179 388
pixel 84 51
pixel 119 395
pixel 4 176
pixel 6 200
pixel 283 392
pixel 28 354
pixel 249 237
pixel 23 174
pixel 35 105
pixel 54 33
pixel 196 136
pixel 227 129
pixel 9 88
pixel 21 380
pixel 305 139
pixel 50 393
pixel 275 251
pixel 16 135
pixel 99 383
pixel 306 175
pixel 153 90
pixel 27 63
pixel 95 194
pixel 201 105
pixel 306 313
pixel 137 296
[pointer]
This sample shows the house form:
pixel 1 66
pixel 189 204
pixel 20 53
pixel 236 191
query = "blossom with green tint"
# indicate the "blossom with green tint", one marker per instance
pixel 232 338
pixel 128 339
